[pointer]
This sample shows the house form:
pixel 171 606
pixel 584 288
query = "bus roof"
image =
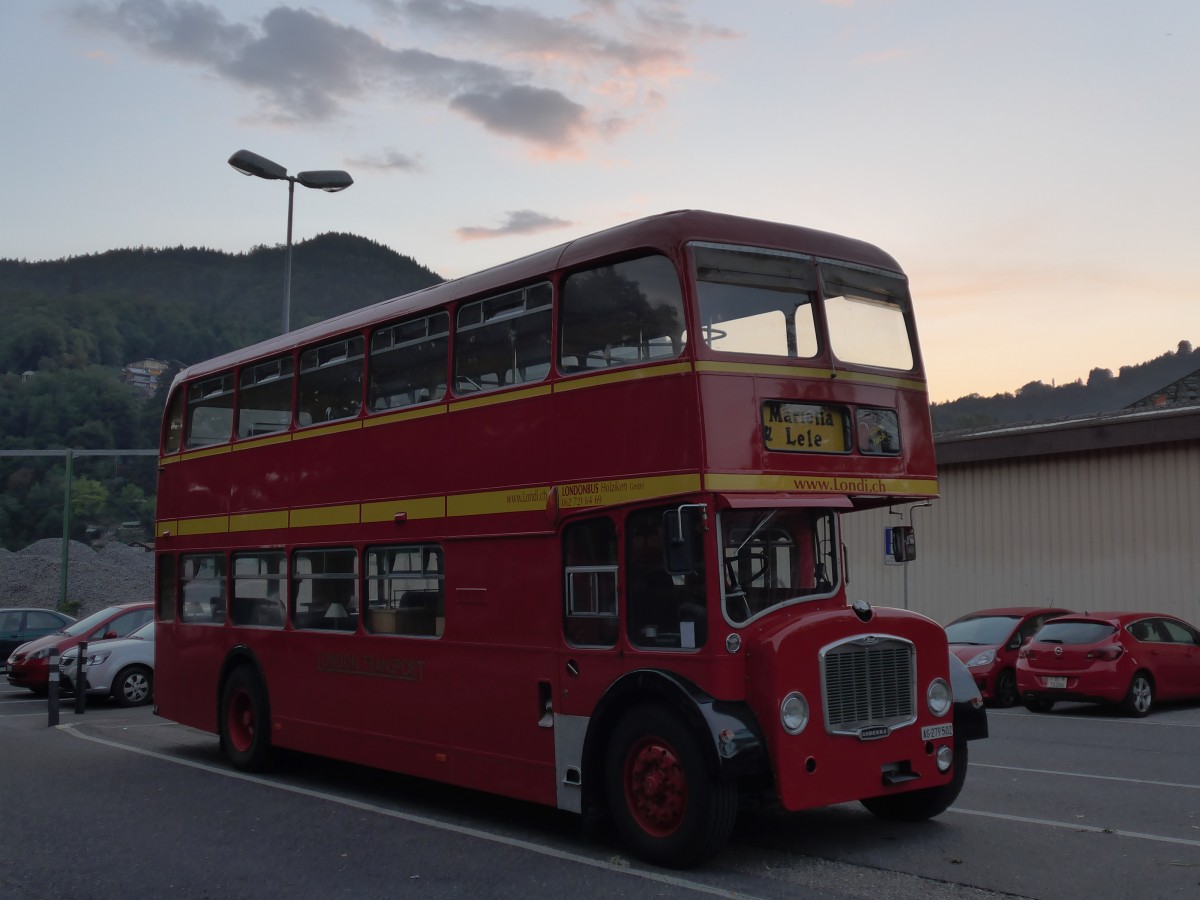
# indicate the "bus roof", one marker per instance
pixel 665 231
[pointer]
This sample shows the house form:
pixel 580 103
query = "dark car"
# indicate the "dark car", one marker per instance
pixel 19 626
pixel 1126 658
pixel 29 664
pixel 987 641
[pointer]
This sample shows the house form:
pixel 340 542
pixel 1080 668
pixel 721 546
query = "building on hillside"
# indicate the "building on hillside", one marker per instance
pixel 1097 513
pixel 1185 390
pixel 144 375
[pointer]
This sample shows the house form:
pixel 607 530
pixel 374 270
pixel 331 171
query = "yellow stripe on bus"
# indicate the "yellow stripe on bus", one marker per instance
pixel 345 514
pixel 387 510
pixel 491 502
pixel 261 521
pixel 282 437
pixel 404 416
pixel 351 425
pixel 206 525
pixel 201 454
pixel 475 402
pixel 632 374
pixel 821 484
pixel 615 491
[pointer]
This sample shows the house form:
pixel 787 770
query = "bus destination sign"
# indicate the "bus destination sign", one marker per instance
pixel 804 427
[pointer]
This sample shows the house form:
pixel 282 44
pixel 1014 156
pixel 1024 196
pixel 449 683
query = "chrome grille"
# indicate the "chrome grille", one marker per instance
pixel 867 682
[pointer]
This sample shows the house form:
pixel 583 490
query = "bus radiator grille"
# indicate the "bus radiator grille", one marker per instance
pixel 868 681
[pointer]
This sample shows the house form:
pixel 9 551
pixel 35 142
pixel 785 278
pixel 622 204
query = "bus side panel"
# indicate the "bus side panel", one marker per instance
pixel 463 708
pixel 627 427
pixel 187 664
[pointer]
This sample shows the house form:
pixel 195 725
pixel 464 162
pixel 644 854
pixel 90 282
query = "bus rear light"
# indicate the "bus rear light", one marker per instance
pixel 1107 654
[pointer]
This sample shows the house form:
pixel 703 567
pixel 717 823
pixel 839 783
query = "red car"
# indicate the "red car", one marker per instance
pixel 29 664
pixel 987 641
pixel 1126 658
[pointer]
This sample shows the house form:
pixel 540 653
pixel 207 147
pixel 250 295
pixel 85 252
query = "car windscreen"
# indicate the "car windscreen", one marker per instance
pixel 83 626
pixel 1074 632
pixel 984 630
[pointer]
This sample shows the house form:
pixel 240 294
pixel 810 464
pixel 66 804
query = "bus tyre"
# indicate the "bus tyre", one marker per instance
pixel 919 805
pixel 666 805
pixel 1139 699
pixel 133 686
pixel 246 721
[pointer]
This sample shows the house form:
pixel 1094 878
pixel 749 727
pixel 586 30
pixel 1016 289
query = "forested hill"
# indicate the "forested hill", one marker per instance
pixel 184 304
pixel 1038 402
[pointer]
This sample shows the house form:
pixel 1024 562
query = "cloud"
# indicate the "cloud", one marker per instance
pixel 388 160
pixel 545 115
pixel 511 70
pixel 521 221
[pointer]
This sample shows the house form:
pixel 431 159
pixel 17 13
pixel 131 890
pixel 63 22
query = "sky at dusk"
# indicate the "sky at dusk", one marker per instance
pixel 1032 164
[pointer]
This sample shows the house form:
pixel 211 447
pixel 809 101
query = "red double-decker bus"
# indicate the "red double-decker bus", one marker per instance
pixel 567 530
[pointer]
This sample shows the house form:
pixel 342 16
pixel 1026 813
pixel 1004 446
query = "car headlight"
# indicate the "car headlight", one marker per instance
pixel 985 658
pixel 44 653
pixel 94 659
pixel 793 713
pixel 939 697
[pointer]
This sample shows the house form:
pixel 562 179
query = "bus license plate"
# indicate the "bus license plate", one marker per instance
pixel 1058 681
pixel 932 732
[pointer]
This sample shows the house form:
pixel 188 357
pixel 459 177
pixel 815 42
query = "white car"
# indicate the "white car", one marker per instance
pixel 122 668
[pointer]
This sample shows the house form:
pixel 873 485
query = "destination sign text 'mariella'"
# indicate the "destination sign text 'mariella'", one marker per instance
pixel 804 427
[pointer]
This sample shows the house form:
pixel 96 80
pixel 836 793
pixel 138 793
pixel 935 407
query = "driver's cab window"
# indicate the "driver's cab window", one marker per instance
pixel 664 577
pixel 590 583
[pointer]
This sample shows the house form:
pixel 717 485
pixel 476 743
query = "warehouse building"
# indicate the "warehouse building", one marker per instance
pixel 1095 514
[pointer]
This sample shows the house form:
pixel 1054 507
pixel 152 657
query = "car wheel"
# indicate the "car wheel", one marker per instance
pixel 1038 705
pixel 666 805
pixel 1140 698
pixel 133 686
pixel 1006 689
pixel 917 806
pixel 246 721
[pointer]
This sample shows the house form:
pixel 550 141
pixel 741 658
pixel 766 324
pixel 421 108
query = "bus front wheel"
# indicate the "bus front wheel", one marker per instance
pixel 666 805
pixel 246 721
pixel 919 805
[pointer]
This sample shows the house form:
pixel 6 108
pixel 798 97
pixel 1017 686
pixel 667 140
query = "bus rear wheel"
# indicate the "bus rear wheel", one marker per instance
pixel 666 805
pixel 246 721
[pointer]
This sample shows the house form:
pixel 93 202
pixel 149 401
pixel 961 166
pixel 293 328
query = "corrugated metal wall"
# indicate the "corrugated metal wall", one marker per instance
pixel 1092 531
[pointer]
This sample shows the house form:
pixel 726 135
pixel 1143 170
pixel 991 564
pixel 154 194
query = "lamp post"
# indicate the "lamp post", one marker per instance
pixel 331 180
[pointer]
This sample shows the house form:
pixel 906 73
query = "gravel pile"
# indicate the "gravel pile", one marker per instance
pixel 116 573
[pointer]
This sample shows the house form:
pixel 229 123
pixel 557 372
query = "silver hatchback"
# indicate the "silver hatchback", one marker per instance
pixel 122 668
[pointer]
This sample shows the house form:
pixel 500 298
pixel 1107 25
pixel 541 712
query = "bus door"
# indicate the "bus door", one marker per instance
pixel 634 597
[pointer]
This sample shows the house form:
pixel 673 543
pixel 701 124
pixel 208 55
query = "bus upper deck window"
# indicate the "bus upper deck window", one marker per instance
pixel 866 314
pixel 756 301
pixel 621 314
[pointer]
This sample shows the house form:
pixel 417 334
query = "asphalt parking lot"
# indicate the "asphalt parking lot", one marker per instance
pixel 1077 803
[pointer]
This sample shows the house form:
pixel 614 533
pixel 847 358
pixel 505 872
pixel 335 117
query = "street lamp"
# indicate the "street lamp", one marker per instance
pixel 331 180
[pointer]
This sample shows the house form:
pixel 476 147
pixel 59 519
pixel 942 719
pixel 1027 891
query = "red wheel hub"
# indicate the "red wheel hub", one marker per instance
pixel 241 721
pixel 655 786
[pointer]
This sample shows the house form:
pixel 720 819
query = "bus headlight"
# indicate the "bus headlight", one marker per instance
pixel 939 697
pixel 793 713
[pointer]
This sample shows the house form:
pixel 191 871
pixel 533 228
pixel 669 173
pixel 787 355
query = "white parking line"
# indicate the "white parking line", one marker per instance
pixel 422 820
pixel 1171 784
pixel 1066 717
pixel 1076 826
